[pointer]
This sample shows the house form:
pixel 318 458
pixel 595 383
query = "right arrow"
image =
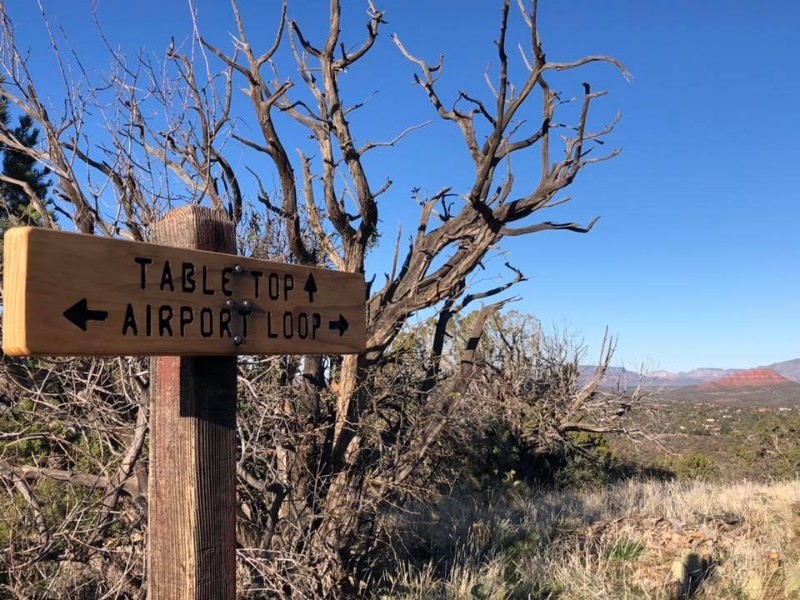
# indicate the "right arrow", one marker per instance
pixel 341 325
pixel 79 314
pixel 310 287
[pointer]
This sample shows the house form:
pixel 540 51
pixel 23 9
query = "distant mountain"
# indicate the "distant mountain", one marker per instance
pixel 747 380
pixel 620 376
pixel 693 377
pixel 613 377
pixel 789 369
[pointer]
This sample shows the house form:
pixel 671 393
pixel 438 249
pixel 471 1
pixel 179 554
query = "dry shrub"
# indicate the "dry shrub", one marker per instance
pixel 621 542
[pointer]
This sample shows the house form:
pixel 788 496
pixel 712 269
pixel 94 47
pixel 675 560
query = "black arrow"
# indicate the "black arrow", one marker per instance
pixel 310 287
pixel 342 325
pixel 79 314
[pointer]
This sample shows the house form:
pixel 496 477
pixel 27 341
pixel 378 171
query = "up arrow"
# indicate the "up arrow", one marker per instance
pixel 310 287
pixel 342 325
pixel 79 314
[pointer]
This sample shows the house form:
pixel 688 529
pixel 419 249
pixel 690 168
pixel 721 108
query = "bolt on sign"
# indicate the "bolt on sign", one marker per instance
pixel 75 294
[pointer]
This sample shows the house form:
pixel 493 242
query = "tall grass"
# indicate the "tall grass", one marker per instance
pixel 626 541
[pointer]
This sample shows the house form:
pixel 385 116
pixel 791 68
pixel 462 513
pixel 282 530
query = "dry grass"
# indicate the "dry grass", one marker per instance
pixel 619 543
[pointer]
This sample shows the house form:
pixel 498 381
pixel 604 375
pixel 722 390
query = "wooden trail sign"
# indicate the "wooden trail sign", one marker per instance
pixel 74 294
pixel 192 308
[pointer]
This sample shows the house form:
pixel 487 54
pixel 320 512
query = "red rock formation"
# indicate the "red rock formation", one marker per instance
pixel 754 378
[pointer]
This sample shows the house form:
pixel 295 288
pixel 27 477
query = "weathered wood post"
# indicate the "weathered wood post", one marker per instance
pixel 192 482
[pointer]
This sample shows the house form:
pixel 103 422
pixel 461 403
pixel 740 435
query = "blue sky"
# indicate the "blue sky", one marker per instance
pixel 695 259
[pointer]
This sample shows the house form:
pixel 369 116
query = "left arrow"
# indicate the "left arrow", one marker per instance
pixel 79 314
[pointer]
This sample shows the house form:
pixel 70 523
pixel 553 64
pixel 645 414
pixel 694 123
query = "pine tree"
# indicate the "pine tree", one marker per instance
pixel 3 109
pixel 16 207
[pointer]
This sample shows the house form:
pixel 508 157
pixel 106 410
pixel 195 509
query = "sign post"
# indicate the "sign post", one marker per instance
pixel 191 518
pixel 191 303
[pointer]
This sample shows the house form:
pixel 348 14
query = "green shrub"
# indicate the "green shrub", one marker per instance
pixel 695 465
pixel 770 448
pixel 624 550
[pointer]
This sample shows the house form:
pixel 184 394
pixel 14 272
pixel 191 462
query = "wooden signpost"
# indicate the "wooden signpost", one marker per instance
pixel 194 308
pixel 71 294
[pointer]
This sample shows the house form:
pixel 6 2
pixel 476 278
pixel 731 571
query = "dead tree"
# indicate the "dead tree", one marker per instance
pixel 313 486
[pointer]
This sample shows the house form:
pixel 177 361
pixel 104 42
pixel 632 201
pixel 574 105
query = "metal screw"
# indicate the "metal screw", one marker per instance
pixel 246 304
pixel 230 303
pixel 237 340
pixel 238 269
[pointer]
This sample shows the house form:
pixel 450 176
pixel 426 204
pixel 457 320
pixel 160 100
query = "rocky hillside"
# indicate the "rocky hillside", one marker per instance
pixel 753 378
pixel 788 368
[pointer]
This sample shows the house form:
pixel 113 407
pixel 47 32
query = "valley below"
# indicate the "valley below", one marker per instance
pixel 744 425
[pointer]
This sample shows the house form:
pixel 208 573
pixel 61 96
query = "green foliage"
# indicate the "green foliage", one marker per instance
pixel 15 207
pixel 38 430
pixel 695 465
pixel 12 506
pixel 745 439
pixel 771 447
pixel 589 462
pixel 624 550
pixel 521 543
pixel 495 457
pixel 495 454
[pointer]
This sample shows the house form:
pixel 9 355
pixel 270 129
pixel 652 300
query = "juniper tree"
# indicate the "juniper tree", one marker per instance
pixel 21 176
